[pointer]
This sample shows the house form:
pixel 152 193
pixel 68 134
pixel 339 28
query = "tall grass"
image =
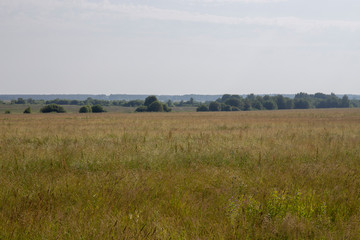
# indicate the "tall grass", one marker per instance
pixel 243 175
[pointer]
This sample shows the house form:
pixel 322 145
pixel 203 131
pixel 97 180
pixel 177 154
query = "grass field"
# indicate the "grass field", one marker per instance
pixel 236 175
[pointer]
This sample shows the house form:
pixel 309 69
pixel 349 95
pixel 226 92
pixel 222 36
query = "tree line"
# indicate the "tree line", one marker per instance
pixel 255 102
pixel 227 102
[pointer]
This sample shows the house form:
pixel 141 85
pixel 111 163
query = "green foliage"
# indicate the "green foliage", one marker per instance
pixel 234 102
pixel 20 101
pixel 247 105
pixel 301 104
pixel 269 105
pixel 257 105
pixel 155 106
pixel 170 103
pixel 149 100
pixel 52 108
pixel 225 108
pixel 214 106
pixel 27 110
pixel 141 109
pixel 97 109
pixel 85 109
pixel 151 104
pixel 345 102
pixel 202 108
pixel 166 108
pixel 7 112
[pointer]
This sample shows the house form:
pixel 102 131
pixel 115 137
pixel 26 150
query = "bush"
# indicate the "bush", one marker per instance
pixel 97 109
pixel 85 109
pixel 52 108
pixel 202 108
pixel 141 109
pixel 7 112
pixel 27 110
pixel 214 106
pixel 166 108
pixel 155 107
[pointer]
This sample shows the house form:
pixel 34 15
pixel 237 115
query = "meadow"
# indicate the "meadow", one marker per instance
pixel 228 175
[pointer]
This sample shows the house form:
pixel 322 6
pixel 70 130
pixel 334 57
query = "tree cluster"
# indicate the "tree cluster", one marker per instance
pixel 92 109
pixel 152 104
pixel 52 108
pixel 301 101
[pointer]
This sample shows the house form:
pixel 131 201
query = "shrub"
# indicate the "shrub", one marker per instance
pixel 155 107
pixel 52 108
pixel 85 109
pixel 141 109
pixel 97 109
pixel 7 112
pixel 27 110
pixel 202 108
pixel 166 108
pixel 235 109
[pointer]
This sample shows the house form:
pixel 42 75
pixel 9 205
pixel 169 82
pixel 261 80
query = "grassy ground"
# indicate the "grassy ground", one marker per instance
pixel 237 175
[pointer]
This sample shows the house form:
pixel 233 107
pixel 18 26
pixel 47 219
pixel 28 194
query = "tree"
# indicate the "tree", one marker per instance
pixel 52 108
pixel 155 106
pixel 85 109
pixel 226 108
pixel 20 101
pixel 97 109
pixel 214 106
pixel 257 105
pixel 170 103
pixel 234 102
pixel 345 102
pixel 225 97
pixel 269 105
pixel 191 101
pixel 247 105
pixel 202 108
pixel 301 104
pixel 280 101
pixel 149 100
pixel 27 110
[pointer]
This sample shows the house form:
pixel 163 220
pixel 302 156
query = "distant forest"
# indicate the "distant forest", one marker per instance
pixel 300 101
pixel 225 102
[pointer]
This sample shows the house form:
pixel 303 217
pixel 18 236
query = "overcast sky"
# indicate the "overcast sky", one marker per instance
pixel 179 46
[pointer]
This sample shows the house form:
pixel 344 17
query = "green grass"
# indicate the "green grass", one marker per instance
pixel 238 175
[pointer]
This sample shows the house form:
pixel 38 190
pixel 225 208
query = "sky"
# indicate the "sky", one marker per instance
pixel 179 46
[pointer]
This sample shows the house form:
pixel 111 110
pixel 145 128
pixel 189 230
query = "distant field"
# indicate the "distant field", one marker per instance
pixel 19 108
pixel 226 175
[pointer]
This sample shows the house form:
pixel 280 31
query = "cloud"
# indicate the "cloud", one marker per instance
pixel 120 11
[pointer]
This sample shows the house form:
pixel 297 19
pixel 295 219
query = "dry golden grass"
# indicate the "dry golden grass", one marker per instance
pixel 237 175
